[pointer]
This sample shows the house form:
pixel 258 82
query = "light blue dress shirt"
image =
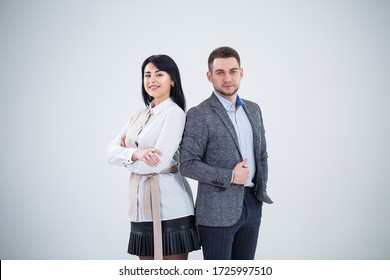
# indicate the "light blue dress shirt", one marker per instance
pixel 244 133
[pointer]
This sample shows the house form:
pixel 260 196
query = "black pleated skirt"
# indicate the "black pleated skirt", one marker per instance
pixel 180 236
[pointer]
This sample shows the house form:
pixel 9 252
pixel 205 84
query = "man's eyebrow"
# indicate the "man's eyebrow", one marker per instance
pixel 235 68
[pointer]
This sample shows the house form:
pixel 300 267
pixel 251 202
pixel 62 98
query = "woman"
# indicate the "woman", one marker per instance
pixel 161 202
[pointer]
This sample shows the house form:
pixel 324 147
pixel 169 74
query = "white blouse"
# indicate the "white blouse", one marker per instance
pixel 163 131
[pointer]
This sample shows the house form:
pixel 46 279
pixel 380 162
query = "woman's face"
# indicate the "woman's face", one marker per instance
pixel 157 83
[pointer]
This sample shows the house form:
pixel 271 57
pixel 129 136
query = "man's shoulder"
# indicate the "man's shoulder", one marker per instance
pixel 249 103
pixel 201 107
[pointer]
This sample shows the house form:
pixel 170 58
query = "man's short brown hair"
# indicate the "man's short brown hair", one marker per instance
pixel 223 52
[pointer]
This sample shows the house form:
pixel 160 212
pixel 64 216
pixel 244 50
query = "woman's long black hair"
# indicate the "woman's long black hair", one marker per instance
pixel 166 64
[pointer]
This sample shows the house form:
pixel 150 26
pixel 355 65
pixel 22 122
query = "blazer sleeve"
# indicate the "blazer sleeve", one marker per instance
pixel 192 150
pixel 263 153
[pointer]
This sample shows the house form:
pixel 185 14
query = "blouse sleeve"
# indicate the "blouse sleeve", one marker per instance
pixel 167 142
pixel 116 154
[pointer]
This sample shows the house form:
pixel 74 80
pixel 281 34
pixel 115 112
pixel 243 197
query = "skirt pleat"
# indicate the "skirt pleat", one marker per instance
pixel 180 236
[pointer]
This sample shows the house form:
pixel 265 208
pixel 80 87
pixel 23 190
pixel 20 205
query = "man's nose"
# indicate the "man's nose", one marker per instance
pixel 227 77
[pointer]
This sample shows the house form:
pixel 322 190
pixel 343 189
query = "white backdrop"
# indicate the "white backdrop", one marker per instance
pixel 70 77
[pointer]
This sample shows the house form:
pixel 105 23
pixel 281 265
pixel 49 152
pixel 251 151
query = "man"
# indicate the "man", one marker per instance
pixel 224 149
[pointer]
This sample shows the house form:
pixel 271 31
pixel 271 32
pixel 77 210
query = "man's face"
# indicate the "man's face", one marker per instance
pixel 225 75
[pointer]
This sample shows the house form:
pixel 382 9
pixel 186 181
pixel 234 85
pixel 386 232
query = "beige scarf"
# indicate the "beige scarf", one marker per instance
pixel 151 186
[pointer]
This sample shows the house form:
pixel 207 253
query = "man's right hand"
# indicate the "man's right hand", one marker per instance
pixel 241 173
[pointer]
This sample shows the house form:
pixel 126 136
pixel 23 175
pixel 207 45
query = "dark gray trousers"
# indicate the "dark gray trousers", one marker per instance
pixel 236 242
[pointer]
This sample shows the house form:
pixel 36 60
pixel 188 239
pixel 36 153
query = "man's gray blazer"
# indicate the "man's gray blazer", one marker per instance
pixel 208 153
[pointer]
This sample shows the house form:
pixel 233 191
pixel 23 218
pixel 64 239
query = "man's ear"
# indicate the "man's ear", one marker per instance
pixel 209 76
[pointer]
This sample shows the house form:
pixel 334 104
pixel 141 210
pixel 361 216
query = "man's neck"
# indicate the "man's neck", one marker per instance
pixel 231 98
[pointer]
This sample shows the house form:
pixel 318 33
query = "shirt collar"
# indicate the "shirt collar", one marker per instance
pixel 227 104
pixel 160 107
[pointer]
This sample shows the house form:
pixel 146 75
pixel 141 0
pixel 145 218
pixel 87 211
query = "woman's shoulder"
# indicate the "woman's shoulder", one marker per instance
pixel 135 115
pixel 174 109
pixel 138 112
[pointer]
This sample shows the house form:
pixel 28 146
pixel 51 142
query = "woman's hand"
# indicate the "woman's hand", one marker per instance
pixel 149 156
pixel 123 141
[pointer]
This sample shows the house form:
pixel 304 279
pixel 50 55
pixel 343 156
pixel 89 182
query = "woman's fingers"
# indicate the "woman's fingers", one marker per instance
pixel 155 156
pixel 157 151
pixel 151 157
pixel 123 141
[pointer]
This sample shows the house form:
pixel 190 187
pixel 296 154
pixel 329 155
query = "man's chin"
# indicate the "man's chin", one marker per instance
pixel 227 93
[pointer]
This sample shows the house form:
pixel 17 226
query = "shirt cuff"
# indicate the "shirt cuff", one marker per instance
pixel 129 157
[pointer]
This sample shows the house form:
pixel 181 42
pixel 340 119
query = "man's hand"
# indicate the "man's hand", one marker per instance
pixel 241 173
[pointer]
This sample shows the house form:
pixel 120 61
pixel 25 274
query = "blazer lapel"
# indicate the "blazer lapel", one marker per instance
pixel 221 112
pixel 252 117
